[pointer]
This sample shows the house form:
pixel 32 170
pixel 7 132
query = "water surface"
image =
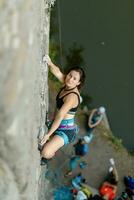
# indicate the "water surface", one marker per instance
pixel 105 28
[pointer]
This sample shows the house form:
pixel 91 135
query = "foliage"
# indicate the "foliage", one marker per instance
pixel 56 82
pixel 53 50
pixel 54 47
pixel 131 152
pixel 86 100
pixel 53 22
pixel 117 142
pixel 74 56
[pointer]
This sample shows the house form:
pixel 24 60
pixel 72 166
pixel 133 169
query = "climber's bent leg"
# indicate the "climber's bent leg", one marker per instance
pixel 52 146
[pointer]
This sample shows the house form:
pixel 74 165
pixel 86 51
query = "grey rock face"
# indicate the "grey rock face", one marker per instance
pixel 8 187
pixel 24 39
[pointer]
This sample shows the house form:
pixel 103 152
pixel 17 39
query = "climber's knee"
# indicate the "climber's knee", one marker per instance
pixel 47 153
pixel 52 146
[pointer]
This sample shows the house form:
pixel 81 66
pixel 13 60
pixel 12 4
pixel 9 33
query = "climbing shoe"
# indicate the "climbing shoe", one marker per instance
pixel 43 161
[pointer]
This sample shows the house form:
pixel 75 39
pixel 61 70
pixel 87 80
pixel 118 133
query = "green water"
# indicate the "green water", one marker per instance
pixel 105 28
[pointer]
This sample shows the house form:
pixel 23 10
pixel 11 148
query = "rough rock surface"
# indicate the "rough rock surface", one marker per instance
pixel 24 39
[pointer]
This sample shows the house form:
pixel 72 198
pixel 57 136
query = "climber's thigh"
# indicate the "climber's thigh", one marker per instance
pixel 54 144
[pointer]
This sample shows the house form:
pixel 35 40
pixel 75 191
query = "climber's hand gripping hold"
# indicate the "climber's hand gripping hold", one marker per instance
pixel 47 59
pixel 45 139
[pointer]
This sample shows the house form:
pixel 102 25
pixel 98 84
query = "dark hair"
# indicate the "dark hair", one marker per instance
pixel 81 72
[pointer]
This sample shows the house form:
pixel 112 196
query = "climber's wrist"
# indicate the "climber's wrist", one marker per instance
pixel 51 64
pixel 49 134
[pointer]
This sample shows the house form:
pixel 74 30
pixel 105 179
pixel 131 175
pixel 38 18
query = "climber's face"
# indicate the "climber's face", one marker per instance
pixel 72 79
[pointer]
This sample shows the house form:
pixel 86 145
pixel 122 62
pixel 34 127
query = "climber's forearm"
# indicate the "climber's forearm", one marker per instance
pixel 55 124
pixel 55 70
pixel 98 122
pixel 90 118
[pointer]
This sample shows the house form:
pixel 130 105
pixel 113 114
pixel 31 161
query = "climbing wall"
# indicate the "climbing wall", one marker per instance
pixel 24 39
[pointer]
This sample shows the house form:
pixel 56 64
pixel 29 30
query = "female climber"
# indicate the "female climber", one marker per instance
pixel 63 129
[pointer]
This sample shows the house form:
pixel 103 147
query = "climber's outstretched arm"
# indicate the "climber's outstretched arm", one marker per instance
pixel 54 69
pixel 97 123
pixel 90 123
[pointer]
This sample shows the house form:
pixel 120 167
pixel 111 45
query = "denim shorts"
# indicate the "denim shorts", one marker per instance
pixel 67 130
